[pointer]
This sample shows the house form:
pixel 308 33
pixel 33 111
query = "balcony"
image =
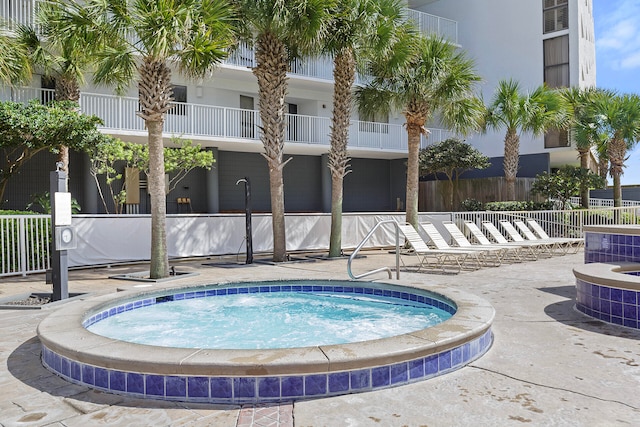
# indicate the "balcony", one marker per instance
pixel 322 67
pixel 211 125
pixel 23 12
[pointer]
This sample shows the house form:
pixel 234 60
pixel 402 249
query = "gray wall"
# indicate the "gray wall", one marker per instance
pixel 529 165
pixel 302 182
pixel 628 193
pixel 374 184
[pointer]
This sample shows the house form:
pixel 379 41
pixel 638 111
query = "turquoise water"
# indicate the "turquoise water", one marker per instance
pixel 269 320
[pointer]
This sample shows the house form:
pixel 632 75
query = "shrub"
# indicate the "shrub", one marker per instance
pixel 518 206
pixel 472 205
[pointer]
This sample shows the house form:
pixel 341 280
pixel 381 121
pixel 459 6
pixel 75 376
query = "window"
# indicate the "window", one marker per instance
pixel 556 61
pixel 556 139
pixel 49 85
pixel 179 100
pixel 247 129
pixel 556 74
pixel 556 15
pixel 292 122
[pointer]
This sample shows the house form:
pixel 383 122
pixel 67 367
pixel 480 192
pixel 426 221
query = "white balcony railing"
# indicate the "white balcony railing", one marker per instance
pixel 210 121
pixel 432 24
pixel 23 12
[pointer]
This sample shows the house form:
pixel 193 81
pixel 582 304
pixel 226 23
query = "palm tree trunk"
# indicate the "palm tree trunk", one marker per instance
pixel 414 130
pixel 335 238
pixel 511 159
pixel 617 150
pixel 583 154
pixel 271 73
pixel 155 95
pixel 67 89
pixel 603 166
pixel 344 76
pixel 159 267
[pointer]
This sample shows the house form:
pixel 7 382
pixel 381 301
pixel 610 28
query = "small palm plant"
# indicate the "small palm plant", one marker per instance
pixel 359 29
pixel 281 31
pixel 519 112
pixel 142 40
pixel 422 76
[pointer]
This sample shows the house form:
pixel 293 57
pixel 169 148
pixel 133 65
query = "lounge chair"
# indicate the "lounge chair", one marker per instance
pixel 500 252
pixel 455 258
pixel 558 244
pixel 574 243
pixel 514 252
pixel 484 256
pixel 547 246
pixel 535 250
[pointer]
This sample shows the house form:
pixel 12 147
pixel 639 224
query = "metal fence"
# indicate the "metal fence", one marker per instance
pixel 557 223
pixel 599 203
pixel 24 244
pixel 25 239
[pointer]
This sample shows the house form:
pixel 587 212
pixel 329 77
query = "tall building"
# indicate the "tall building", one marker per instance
pixel 533 42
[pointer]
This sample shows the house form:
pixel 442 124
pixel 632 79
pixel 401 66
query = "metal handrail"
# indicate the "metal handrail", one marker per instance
pixel 377 270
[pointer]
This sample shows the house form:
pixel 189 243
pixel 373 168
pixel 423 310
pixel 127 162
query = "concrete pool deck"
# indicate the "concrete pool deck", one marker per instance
pixel 549 365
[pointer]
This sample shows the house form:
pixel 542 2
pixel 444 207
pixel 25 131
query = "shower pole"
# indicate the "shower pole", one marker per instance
pixel 247 215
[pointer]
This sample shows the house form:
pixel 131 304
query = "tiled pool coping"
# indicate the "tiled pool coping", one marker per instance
pixel 241 376
pixel 609 292
pixel 611 243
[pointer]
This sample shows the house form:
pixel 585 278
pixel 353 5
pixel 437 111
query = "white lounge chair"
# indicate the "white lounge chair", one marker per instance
pixel 534 249
pixel 515 252
pixel 441 258
pixel 547 247
pixel 482 256
pixel 574 243
pixel 558 244
pixel 500 252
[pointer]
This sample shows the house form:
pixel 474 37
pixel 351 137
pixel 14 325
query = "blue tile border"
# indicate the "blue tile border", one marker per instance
pixel 196 386
pixel 236 390
pixel 611 247
pixel 419 297
pixel 611 305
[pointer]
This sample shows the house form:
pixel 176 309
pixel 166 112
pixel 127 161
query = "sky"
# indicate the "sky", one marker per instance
pixel 617 32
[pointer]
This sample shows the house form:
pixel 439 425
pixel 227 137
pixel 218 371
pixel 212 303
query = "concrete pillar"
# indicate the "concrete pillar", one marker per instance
pixel 325 183
pixel 213 184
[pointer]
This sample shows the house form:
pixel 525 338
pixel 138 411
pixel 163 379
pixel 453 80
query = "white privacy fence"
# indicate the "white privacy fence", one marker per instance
pixel 111 239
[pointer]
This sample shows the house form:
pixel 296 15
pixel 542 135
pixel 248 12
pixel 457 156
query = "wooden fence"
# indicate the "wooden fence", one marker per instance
pixel 434 194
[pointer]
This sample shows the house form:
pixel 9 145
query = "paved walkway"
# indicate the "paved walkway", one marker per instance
pixel 549 365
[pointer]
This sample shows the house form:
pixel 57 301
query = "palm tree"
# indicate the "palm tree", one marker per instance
pixel 359 28
pixel 603 159
pixel 422 76
pixel 618 118
pixel 146 38
pixel 533 113
pixel 281 32
pixel 15 67
pixel 581 128
pixel 60 55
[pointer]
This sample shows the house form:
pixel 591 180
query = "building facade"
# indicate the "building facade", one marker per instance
pixel 533 42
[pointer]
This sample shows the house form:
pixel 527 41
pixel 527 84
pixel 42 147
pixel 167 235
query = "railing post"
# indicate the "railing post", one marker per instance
pixel 225 118
pixel 192 123
pixel 119 113
pixel 22 246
